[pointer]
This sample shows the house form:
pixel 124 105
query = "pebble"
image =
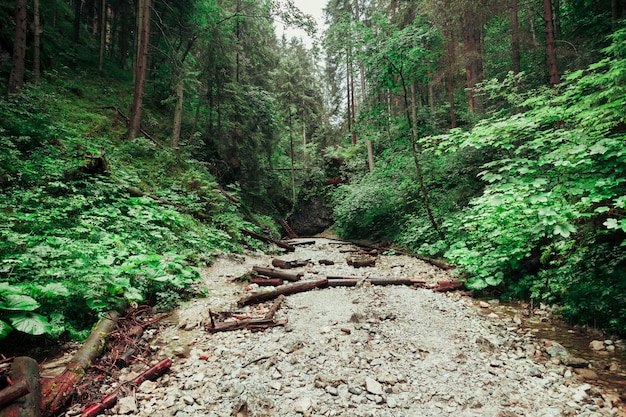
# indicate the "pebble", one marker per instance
pixel 409 352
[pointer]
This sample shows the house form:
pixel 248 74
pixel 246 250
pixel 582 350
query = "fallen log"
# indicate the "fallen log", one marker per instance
pixel 353 281
pixel 269 272
pixel 286 246
pixel 288 229
pixel 249 324
pixel 326 262
pixel 12 393
pixel 282 290
pixel 25 370
pixel 361 263
pixel 266 282
pixel 270 313
pixel 279 263
pixel 448 286
pixel 434 262
pixel 302 243
pixel 58 390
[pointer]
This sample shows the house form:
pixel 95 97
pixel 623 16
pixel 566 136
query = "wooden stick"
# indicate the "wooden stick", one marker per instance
pixel 270 314
pixel 12 393
pixel 266 282
pixel 279 263
pixel 57 391
pixel 284 290
pixel 25 370
pixel 288 229
pixel 265 239
pixel 269 272
pixel 249 324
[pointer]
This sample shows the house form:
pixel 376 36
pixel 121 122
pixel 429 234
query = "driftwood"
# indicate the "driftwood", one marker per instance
pixel 109 400
pixel 279 263
pixel 274 273
pixel 12 393
pixel 288 229
pixel 302 243
pixel 286 246
pixel 326 262
pixel 266 282
pixel 249 324
pixel 361 263
pixel 338 281
pixel 270 313
pixel 24 371
pixel 57 391
pixel 446 285
pixel 282 290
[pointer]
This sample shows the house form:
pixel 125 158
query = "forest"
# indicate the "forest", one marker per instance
pixel 142 138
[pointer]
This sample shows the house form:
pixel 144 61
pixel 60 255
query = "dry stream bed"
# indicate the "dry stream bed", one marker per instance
pixel 369 350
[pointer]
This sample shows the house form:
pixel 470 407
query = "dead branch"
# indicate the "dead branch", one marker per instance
pixel 284 290
pixel 249 324
pixel 127 119
pixel 12 393
pixel 266 282
pixel 56 391
pixel 270 314
pixel 265 239
pixel 269 272
pixel 279 263
pixel 444 285
pixel 288 229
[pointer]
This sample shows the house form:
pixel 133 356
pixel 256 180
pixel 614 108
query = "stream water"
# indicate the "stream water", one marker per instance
pixel 610 366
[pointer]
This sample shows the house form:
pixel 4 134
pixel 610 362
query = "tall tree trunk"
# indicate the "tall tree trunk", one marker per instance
pixel 16 79
pixel 140 69
pixel 36 43
pixel 102 34
pixel 556 17
pixel 123 34
pixel 416 149
pixel 550 43
pixel 352 107
pixel 178 112
pixel 450 60
pixel 78 7
pixel 531 22
pixel 515 38
pixel 473 55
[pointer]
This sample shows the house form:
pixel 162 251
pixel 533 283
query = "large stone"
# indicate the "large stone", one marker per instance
pixel 373 387
pixel 311 217
pixel 303 405
pixel 127 405
pixel 556 350
pixel 596 345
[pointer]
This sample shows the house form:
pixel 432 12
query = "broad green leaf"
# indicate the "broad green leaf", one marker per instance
pixel 564 230
pixel 18 303
pixel 611 223
pixel 133 294
pixel 602 209
pixel 55 289
pixel 30 323
pixel 5 329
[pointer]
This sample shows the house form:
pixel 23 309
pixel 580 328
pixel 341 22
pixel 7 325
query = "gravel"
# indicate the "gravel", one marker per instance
pixel 360 351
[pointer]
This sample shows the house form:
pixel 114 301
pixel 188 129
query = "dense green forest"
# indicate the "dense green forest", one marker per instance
pixel 140 137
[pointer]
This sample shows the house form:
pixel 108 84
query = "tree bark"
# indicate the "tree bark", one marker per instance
pixel 550 44
pixel 178 112
pixel 16 79
pixel 36 43
pixel 284 290
pixel 274 273
pixel 531 22
pixel 140 68
pixel 25 370
pixel 515 38
pixel 102 34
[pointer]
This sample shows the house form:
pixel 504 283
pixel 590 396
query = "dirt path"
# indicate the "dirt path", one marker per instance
pixel 362 351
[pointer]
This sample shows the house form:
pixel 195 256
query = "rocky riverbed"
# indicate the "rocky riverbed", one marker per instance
pixel 360 351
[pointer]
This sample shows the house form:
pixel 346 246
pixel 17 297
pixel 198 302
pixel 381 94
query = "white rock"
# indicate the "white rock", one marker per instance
pixel 303 405
pixel 373 387
pixel 127 405
pixel 596 345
